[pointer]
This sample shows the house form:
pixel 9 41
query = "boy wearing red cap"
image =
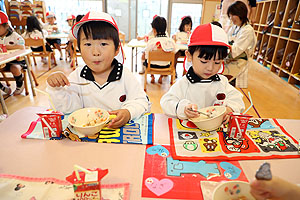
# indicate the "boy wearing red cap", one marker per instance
pixel 110 85
pixel 202 86
pixel 12 40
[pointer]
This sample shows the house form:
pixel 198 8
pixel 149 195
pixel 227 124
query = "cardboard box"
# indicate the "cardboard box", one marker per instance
pixel 237 125
pixel 51 119
pixel 89 185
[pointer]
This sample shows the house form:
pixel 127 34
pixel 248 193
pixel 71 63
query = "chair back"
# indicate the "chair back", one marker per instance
pixel 160 55
pixel 35 42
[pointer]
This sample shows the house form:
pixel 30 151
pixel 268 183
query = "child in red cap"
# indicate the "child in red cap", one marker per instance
pixel 12 40
pixel 110 85
pixel 52 28
pixel 202 86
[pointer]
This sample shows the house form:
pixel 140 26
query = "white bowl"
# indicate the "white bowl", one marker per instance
pixel 210 124
pixel 88 121
pixel 233 190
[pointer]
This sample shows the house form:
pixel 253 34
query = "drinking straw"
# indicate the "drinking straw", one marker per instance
pixel 251 104
pixel 76 168
pixel 48 125
pixel 49 97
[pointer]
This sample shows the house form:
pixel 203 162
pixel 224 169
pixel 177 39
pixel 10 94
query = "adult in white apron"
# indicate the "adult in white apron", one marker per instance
pixel 242 39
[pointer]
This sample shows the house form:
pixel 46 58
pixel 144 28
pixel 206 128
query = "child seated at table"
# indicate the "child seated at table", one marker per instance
pixel 110 85
pixel 34 31
pixel 182 36
pixel 52 28
pixel 69 48
pixel 159 25
pixel 202 86
pixel 12 40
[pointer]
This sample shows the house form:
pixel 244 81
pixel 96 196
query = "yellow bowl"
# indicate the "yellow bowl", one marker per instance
pixel 88 121
pixel 210 124
pixel 233 190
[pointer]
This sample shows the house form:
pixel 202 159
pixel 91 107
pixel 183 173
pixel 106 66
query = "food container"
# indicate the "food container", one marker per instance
pixel 51 123
pixel 89 121
pixel 233 190
pixel 237 125
pixel 214 122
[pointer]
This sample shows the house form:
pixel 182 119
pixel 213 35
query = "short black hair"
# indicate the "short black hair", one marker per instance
pixel 32 24
pixel 78 18
pixel 99 30
pixel 160 25
pixel 216 23
pixel 209 51
pixel 186 20
pixel 239 9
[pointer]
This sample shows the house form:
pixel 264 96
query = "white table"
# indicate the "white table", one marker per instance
pixel 57 35
pixel 13 55
pixel 134 43
pixel 48 158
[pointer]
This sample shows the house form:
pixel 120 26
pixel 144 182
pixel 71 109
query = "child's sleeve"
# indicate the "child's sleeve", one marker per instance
pixel 174 101
pixel 234 98
pixel 137 101
pixel 18 39
pixel 66 99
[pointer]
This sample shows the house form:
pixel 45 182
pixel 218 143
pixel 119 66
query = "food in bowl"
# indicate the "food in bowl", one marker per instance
pixel 233 190
pixel 88 121
pixel 212 121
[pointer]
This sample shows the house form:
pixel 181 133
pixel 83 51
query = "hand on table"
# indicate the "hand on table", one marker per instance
pixel 58 79
pixel 122 117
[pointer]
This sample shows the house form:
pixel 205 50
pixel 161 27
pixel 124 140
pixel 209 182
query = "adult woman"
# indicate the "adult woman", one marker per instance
pixel 242 39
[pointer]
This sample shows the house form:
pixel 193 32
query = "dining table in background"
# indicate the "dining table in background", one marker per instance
pixel 9 56
pixel 135 44
pixel 125 162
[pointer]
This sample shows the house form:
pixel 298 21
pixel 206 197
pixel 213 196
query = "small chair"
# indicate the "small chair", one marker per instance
pixel 75 54
pixel 122 37
pixel 160 55
pixel 40 42
pixel 24 71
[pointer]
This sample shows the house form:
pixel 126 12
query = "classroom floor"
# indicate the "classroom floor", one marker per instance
pixel 272 97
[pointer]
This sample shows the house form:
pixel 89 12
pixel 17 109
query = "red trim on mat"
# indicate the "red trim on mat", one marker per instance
pixel 224 158
pixel 32 179
pixel 31 128
pixel 282 128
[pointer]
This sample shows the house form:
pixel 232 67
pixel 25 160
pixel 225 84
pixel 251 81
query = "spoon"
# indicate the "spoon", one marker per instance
pixel 79 83
pixel 202 113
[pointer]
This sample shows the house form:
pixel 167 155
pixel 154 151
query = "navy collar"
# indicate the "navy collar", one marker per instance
pixel 115 74
pixel 194 78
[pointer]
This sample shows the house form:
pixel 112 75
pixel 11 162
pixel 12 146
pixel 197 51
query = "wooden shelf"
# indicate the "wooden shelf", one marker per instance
pixel 282 36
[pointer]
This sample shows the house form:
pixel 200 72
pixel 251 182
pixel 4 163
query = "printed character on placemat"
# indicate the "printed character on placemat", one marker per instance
pixel 272 141
pixel 209 145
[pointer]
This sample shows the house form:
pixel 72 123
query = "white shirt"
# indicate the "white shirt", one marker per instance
pixel 244 40
pixel 191 89
pixel 49 28
pixel 36 34
pixel 182 37
pixel 12 39
pixel 167 44
pixel 121 91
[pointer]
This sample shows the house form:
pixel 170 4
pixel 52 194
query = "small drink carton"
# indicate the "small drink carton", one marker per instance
pixel 146 38
pixel 51 123
pixel 87 186
pixel 238 125
pixel 3 48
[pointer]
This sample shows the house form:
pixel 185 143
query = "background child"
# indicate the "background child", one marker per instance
pixel 202 86
pixel 71 39
pixel 12 40
pixel 111 87
pixel 182 36
pixel 242 38
pixel 69 48
pixel 34 30
pixel 51 27
pixel 159 25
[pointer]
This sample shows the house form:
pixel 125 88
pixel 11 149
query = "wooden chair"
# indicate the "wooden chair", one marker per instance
pixel 160 55
pixel 40 42
pixel 122 37
pixel 24 71
pixel 75 54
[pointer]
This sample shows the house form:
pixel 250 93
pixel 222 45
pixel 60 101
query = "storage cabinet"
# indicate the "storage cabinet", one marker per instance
pixel 278 46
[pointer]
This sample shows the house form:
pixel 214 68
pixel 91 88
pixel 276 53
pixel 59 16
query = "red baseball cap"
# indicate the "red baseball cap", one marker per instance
pixel 3 17
pixel 50 14
pixel 70 17
pixel 208 34
pixel 98 16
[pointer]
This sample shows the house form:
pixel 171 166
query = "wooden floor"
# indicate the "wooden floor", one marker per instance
pixel 272 97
